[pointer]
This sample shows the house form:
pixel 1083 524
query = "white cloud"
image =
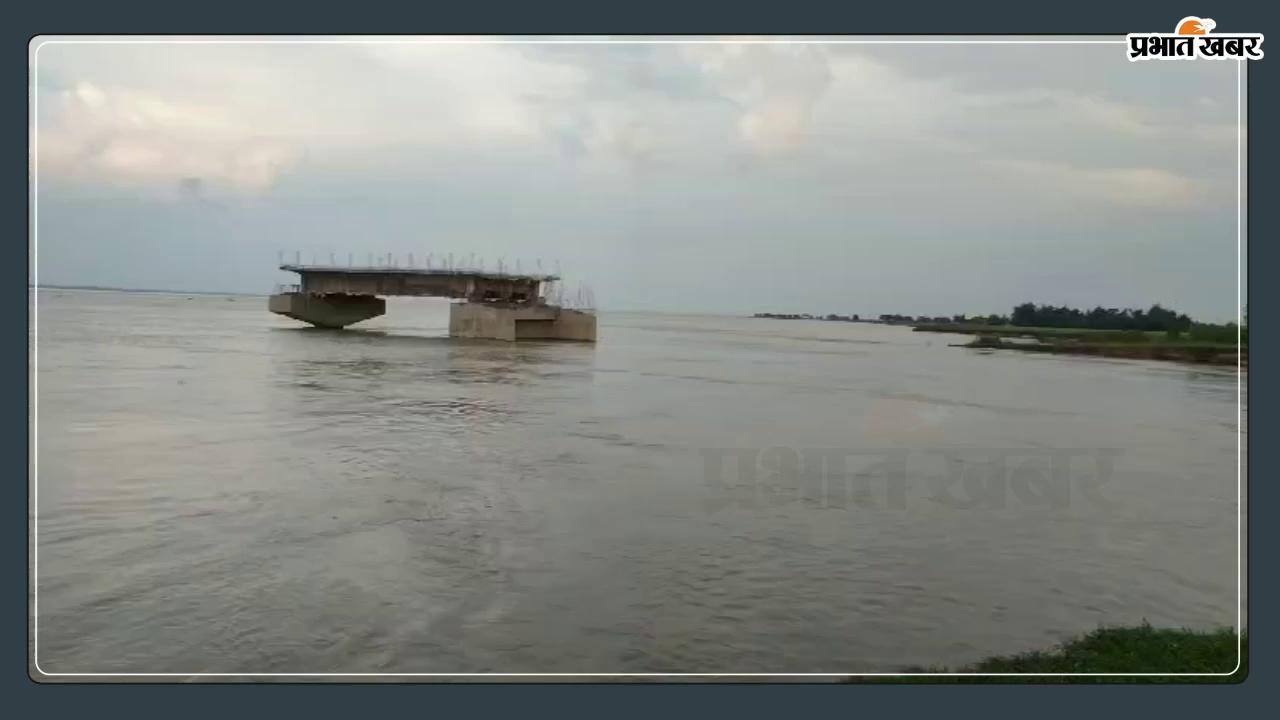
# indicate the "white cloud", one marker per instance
pixel 490 92
pixel 245 131
pixel 163 113
pixel 123 137
pixel 1151 188
pixel 776 88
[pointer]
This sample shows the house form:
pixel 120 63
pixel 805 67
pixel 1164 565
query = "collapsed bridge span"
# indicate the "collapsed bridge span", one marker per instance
pixel 497 305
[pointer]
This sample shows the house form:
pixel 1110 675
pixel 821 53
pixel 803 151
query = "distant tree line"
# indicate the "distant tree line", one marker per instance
pixel 892 319
pixel 807 316
pixel 898 319
pixel 1154 319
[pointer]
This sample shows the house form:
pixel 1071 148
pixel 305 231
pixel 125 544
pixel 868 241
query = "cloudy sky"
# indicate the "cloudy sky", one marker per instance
pixel 726 177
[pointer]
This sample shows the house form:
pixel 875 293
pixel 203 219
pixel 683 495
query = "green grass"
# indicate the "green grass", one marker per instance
pixel 1140 649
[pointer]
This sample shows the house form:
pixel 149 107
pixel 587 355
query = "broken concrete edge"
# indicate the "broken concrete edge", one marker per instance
pixel 327 311
pixel 520 322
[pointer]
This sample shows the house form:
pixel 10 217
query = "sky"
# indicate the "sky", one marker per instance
pixel 726 177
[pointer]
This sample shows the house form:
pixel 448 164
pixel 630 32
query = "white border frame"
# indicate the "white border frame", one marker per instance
pixel 38 43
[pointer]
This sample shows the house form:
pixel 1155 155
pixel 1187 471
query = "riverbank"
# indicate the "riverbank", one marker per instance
pixel 1130 344
pixel 1128 650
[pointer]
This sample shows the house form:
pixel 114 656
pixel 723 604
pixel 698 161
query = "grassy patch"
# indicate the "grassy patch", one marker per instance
pixel 1141 649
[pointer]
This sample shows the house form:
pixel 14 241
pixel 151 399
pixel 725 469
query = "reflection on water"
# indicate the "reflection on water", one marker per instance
pixel 222 490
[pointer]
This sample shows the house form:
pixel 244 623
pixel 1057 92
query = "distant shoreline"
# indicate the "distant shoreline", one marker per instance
pixel 154 291
pixel 832 317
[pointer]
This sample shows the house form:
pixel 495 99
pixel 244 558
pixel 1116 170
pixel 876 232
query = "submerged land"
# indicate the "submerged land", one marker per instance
pixel 1132 344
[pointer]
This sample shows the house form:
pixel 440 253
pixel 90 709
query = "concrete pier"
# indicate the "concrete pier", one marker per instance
pixel 327 311
pixel 516 322
pixel 500 306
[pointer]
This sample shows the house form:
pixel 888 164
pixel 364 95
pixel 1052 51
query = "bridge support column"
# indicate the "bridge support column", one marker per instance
pixel 327 311
pixel 520 322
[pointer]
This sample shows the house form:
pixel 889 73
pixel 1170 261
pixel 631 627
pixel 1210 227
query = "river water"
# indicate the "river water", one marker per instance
pixel 222 490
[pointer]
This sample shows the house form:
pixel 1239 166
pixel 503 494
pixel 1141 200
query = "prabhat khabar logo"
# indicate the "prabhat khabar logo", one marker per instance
pixel 1191 39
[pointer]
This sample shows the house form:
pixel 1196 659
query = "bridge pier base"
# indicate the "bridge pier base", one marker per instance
pixel 327 311
pixel 520 322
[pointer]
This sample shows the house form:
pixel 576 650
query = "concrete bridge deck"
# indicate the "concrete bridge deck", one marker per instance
pixel 473 285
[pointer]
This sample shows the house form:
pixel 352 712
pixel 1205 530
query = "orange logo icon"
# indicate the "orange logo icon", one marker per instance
pixel 1193 25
